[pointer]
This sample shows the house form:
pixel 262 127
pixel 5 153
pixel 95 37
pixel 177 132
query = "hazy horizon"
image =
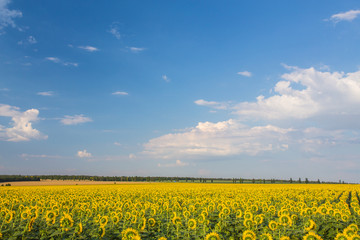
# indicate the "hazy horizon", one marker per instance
pixel 250 89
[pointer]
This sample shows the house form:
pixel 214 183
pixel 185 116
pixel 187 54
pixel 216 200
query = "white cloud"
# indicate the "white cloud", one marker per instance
pixel 136 49
pixel 178 163
pixel 84 154
pixel 245 73
pixel 309 111
pixel 345 16
pixel 212 104
pixel 74 120
pixel 218 139
pixel 120 93
pixel 117 144
pixel 306 93
pixel 132 156
pixel 53 59
pixel 21 129
pixel 114 30
pixel 31 40
pixel 165 78
pixel 4 89
pixel 7 16
pixel 89 48
pixel 59 61
pixel 48 93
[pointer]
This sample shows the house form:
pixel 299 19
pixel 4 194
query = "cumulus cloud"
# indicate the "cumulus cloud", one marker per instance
pixel 345 16
pixel 59 61
pixel 120 93
pixel 136 49
pixel 308 110
pixel 74 120
pixel 89 48
pixel 21 122
pixel 84 154
pixel 29 40
pixel 218 139
pixel 7 16
pixel 48 93
pixel 178 163
pixel 245 73
pixel 212 104
pixel 306 93
pixel 114 30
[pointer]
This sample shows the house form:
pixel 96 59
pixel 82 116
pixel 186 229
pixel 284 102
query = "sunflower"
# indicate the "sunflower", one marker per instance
pixel 249 235
pixel 151 222
pixel 129 234
pixel 248 215
pixel 345 217
pixel 8 217
pixel 66 222
pixel 248 223
pixel 79 228
pixel 186 214
pixel 103 221
pixel 176 220
pixel 285 238
pixel 201 218
pixel 341 236
pixel 266 236
pixel 31 224
pixel 258 219
pixel 355 237
pixel 312 236
pixel 162 238
pixel 349 232
pixel 25 215
pixel 115 219
pixel 102 231
pixel 285 220
pixel 273 225
pixel 310 225
pixel 192 224
pixel 238 213
pixel 212 236
pixel 354 227
pixel 50 217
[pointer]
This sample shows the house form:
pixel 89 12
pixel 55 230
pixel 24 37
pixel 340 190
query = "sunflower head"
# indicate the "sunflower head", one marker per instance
pixel 130 234
pixel 266 236
pixel 151 222
pixel 176 220
pixel 273 225
pixel 192 224
pixel 285 220
pixel 341 236
pixel 285 238
pixel 212 236
pixel 248 223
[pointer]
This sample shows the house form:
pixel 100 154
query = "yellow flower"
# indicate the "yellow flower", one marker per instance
pixel 273 225
pixel 80 228
pixel 176 220
pixel 266 236
pixel 310 225
pixel 192 224
pixel 129 234
pixel 102 231
pixel 151 222
pixel 285 238
pixel 103 221
pixel 249 235
pixel 212 236
pixel 285 220
pixel 248 223
pixel 341 236
pixel 312 236
pixel 162 238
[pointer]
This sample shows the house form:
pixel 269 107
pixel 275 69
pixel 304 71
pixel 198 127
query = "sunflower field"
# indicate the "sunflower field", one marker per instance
pixel 181 211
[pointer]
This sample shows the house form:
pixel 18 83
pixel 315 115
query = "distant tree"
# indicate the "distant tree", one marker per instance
pixel 299 180
pixel 291 181
pixel 306 180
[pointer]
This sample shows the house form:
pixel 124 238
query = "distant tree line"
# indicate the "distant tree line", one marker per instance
pixel 14 178
pixel 18 178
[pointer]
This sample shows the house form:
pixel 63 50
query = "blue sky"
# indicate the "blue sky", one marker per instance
pixel 263 89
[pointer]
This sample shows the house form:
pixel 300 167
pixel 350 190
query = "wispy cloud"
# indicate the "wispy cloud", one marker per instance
pixel 120 93
pixel 136 49
pixel 21 122
pixel 166 78
pixel 178 163
pixel 74 120
pixel 89 48
pixel 212 104
pixel 114 30
pixel 7 16
pixel 59 61
pixel 245 73
pixel 345 16
pixel 48 93
pixel 29 40
pixel 84 154
pixel 4 89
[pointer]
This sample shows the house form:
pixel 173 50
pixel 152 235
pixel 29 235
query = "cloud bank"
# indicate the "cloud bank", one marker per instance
pixel 21 123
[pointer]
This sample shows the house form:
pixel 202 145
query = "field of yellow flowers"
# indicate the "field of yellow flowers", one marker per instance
pixel 181 211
